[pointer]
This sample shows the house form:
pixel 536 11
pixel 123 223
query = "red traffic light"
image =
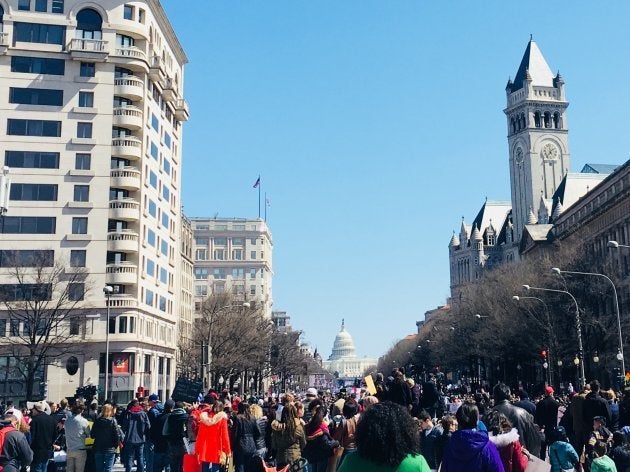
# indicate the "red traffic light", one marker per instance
pixel 544 354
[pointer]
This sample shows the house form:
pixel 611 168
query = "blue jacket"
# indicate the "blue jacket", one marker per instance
pixel 562 456
pixel 428 440
pixel 136 427
pixel 470 450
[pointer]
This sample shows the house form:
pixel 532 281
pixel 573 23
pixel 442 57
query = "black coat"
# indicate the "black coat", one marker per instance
pixel 524 423
pixel 43 435
pixel 621 457
pixel 246 434
pixel 399 392
pixel 547 413
pixel 15 451
pixel 319 447
pixel 594 405
pixel 105 433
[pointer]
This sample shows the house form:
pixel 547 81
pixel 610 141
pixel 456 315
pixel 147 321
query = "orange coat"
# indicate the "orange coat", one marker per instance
pixel 212 437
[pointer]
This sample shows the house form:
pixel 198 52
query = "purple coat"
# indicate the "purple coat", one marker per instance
pixel 468 451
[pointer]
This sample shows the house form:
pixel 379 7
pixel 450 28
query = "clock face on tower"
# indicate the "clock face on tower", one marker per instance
pixel 518 155
pixel 549 152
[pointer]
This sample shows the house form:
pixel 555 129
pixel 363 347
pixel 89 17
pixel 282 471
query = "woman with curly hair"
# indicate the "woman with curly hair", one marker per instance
pixel 506 439
pixel 387 441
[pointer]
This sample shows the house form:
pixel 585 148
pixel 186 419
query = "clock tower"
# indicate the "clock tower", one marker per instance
pixel 537 136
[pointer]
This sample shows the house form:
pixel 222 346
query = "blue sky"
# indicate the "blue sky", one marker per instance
pixel 376 126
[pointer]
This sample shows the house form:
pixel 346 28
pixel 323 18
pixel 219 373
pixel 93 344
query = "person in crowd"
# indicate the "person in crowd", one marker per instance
pixel 429 436
pixel 525 403
pixel 524 422
pixel 213 440
pixel 15 452
pixel 381 387
pixel 311 394
pixel 430 396
pixel 159 439
pixel 613 406
pixel 136 426
pixel 319 443
pixel 547 417
pixel 624 410
pixel 449 426
pixel 387 441
pixel 91 414
pixel 256 412
pixel 245 436
pixel 416 394
pixel 399 391
pixel 368 402
pixel 346 432
pixel 595 405
pixel 599 434
pixel 468 449
pixel 154 409
pixel 43 435
pixel 620 453
pixel 107 437
pixel 174 431
pixel 506 439
pixel 602 462
pixel 562 455
pixel 77 431
pixel 581 429
pixel 287 437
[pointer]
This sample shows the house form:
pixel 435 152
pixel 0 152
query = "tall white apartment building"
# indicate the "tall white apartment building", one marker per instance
pixel 91 127
pixel 233 254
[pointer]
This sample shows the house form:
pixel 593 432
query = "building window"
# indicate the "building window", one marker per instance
pixel 25 292
pixel 14 326
pixel 252 254
pixel 37 65
pixel 162 305
pixel 151 237
pixel 34 192
pixel 26 258
pixel 152 209
pixel 79 225
pixel 219 273
pixel 128 12
pixel 41 5
pixel 132 324
pixel 89 23
pixel 39 33
pixel 86 99
pixel 164 248
pixel 166 193
pixel 141 15
pixel 252 273
pixel 77 257
pixel 35 96
pixel 220 241
pixel 84 130
pixel 75 329
pixel 76 292
pixel 153 180
pixel 82 161
pixel 163 275
pixel 148 299
pixel 150 268
pixel 24 5
pixel 49 128
pixel 201 273
pixel 122 324
pixel 154 151
pixel 201 290
pixel 166 166
pixel 219 254
pixel 237 254
pixel 155 123
pixel 88 69
pixel 31 159
pixel 112 326
pixel 252 290
pixel 201 254
pixel 165 220
pixel 238 273
pixel 3 328
pixel 57 6
pixel 28 225
pixel 81 193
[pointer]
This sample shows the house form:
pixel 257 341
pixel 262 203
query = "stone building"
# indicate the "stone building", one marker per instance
pixel 344 360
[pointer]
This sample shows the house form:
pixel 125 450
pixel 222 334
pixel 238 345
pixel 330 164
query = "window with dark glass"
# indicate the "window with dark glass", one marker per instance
pixel 77 257
pixel 35 96
pixel 22 292
pixel 79 225
pixel 81 193
pixel 75 328
pixel 125 41
pixel 3 328
pixel 84 130
pixel 87 69
pixel 57 6
pixel 122 102
pixel 33 192
pixel 28 225
pixel 86 99
pixel 31 159
pixel 112 327
pixel 27 258
pixel 41 5
pixel 121 72
pixel 37 65
pixel 89 23
pixel 76 291
pixel 128 13
pixel 122 324
pixel 24 5
pixel 39 33
pixel 17 127
pixel 118 194
pixel 82 161
pixel 14 325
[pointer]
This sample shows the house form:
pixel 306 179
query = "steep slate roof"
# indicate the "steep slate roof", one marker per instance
pixel 598 168
pixel 535 64
pixel 534 235
pixel 575 186
pixel 492 211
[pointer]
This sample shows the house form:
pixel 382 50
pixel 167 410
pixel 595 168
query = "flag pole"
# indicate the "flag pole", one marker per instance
pixel 259 196
pixel 265 207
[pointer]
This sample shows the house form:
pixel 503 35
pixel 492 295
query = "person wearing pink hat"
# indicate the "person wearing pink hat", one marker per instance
pixel 547 418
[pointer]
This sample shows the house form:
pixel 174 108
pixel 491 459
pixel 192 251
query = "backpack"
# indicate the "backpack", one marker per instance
pixel 3 433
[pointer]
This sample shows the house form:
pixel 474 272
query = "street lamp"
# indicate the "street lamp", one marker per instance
pixel 578 325
pixel 478 316
pixel 556 270
pixel 5 191
pixel 107 290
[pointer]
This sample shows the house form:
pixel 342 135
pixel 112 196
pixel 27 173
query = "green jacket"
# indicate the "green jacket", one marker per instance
pixel 355 463
pixel 287 449
pixel 603 464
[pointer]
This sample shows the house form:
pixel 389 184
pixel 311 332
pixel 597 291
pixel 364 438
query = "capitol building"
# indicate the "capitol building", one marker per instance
pixel 343 360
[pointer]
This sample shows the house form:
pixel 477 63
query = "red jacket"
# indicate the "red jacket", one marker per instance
pixel 510 448
pixel 212 437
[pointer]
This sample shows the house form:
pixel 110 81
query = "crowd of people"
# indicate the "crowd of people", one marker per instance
pixel 402 426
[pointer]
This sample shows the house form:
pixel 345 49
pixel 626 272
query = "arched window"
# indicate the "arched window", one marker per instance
pixel 513 126
pixel 1 13
pixel 523 121
pixel 89 23
pixel 537 119
pixel 556 120
pixel 547 119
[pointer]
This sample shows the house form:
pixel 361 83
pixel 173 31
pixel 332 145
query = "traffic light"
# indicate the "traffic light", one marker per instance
pixel 544 355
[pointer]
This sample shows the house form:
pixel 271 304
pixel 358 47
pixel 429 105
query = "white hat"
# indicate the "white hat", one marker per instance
pixel 311 392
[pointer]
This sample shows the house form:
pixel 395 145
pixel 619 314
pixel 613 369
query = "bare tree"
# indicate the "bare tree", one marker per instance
pixel 44 304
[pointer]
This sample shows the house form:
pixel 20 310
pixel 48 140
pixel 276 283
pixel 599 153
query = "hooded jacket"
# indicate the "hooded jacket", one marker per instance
pixel 603 464
pixel 288 449
pixel 470 450
pixel 319 444
pixel 212 437
pixel 136 426
pixel 15 451
pixel 510 451
pixel 175 427
pixel 562 456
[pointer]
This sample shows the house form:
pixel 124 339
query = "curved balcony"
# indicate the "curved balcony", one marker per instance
pixel 125 273
pixel 126 209
pixel 128 147
pixel 94 50
pixel 127 178
pixel 128 117
pixel 131 57
pixel 122 241
pixel 122 300
pixel 129 87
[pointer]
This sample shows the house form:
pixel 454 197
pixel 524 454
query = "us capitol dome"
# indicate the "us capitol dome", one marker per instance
pixel 343 360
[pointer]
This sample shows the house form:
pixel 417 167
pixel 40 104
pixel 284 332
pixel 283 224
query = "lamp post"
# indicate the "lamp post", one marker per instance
pixel 107 290
pixel 556 270
pixel 578 327
pixel 5 191
pixel 550 334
